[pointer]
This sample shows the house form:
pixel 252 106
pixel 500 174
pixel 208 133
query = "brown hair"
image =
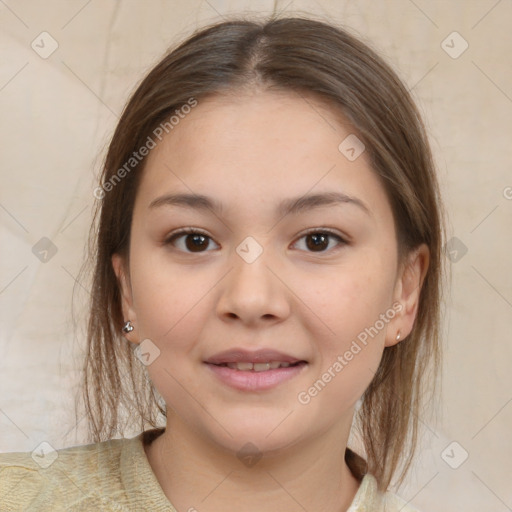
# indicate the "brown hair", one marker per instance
pixel 309 57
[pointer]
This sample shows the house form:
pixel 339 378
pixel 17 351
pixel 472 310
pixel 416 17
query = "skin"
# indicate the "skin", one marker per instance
pixel 249 151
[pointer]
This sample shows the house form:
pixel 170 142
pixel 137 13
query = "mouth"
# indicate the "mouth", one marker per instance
pixel 259 367
pixel 254 371
pixel 244 357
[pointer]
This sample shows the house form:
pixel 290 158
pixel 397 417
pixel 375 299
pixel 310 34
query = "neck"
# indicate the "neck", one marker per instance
pixel 196 474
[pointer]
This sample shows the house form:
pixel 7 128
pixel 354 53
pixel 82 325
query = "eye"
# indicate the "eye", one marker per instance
pixel 317 240
pixel 195 240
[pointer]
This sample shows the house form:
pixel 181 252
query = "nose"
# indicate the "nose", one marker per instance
pixel 253 292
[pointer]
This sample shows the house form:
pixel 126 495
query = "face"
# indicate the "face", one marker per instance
pixel 266 276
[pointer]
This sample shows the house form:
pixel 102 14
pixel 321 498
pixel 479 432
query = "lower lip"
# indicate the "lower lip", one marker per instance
pixel 255 381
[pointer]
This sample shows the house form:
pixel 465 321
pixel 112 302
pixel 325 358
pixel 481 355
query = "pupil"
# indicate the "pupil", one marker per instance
pixel 319 241
pixel 197 241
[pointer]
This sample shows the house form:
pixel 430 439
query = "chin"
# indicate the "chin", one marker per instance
pixel 262 437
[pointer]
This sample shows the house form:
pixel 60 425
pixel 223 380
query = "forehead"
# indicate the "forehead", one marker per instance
pixel 259 147
pixel 278 118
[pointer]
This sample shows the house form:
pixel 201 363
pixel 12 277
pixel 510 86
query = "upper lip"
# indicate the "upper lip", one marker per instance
pixel 239 355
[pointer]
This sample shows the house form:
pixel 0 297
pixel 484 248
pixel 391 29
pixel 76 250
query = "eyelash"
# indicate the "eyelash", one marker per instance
pixel 193 231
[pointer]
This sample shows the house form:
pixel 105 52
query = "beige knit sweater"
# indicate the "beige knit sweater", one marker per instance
pixel 115 476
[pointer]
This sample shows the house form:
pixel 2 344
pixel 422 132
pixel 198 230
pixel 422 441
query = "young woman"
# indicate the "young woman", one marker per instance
pixel 267 278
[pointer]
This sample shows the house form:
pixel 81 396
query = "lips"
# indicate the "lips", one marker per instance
pixel 257 367
pixel 254 371
pixel 241 357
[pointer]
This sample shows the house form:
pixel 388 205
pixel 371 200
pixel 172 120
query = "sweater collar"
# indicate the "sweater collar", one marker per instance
pixel 145 491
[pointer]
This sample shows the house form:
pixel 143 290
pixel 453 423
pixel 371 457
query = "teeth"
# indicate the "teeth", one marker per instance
pixel 244 366
pixel 257 367
pixel 261 367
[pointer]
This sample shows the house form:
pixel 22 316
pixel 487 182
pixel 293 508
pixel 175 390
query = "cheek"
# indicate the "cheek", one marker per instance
pixel 352 311
pixel 166 300
pixel 170 306
pixel 348 341
pixel 347 299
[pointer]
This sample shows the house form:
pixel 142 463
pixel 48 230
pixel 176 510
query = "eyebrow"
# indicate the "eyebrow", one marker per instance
pixel 293 205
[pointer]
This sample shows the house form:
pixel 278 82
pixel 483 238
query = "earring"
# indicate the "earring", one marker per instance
pixel 128 327
pixel 398 336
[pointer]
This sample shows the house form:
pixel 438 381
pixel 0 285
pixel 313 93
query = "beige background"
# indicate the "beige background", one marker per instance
pixel 58 113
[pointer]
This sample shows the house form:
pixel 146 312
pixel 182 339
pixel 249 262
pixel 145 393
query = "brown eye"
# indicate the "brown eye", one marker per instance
pixel 319 241
pixel 195 241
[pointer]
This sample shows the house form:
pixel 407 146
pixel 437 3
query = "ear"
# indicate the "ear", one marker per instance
pixel 123 280
pixel 407 293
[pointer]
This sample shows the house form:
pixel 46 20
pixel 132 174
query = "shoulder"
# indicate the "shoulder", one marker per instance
pixel 370 499
pixel 45 478
pixel 393 503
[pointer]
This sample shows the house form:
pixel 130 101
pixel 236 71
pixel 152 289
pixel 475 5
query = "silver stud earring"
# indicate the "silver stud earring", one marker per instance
pixel 398 335
pixel 127 327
